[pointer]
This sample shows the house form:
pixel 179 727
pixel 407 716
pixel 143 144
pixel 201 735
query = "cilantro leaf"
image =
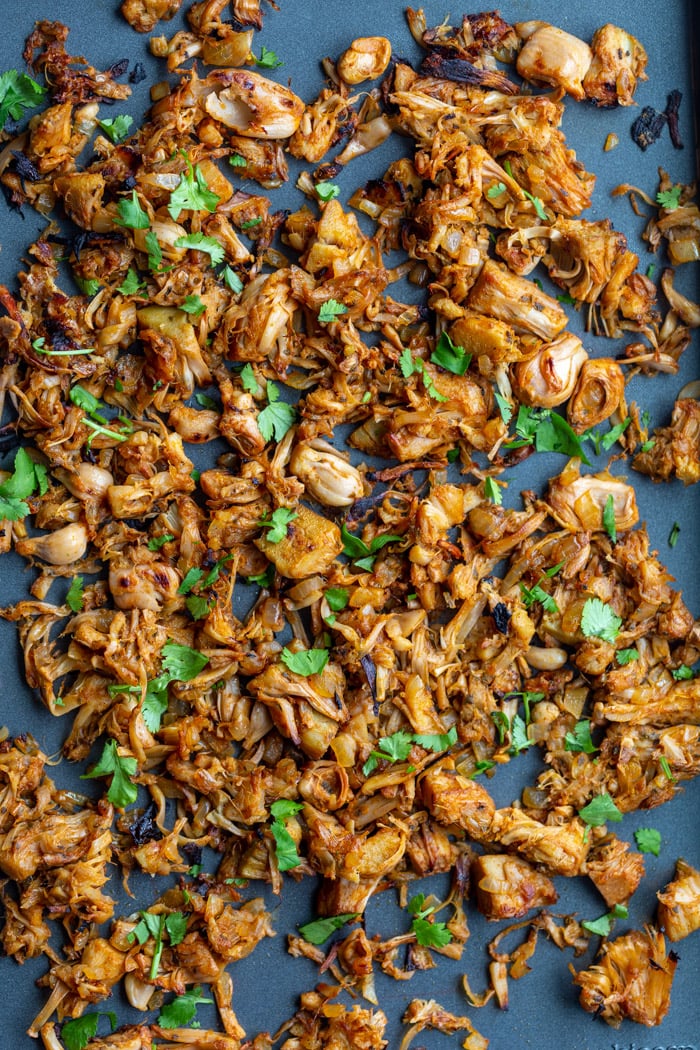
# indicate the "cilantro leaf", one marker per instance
pixel 353 546
pixel 626 656
pixel 197 606
pixel 176 925
pixel 237 161
pixel 74 597
pixel 319 930
pixel 193 305
pixel 436 741
pixel 131 283
pixel 580 739
pixel 496 190
pixel 263 579
pixel 519 740
pixel 603 925
pixel 683 673
pixel 614 434
pixel 116 128
pixel 409 367
pixel 609 523
pixel 502 723
pixel 538 206
pixel 285 846
pixel 337 598
pixel 553 434
pixel 599 811
pixel 155 254
pixel 156 542
pixel 452 358
pixel 18 92
pixel 87 287
pixel 306 662
pixel 481 767
pixel 268 59
pixel 429 934
pixel 276 419
pixel 155 703
pixel 182 663
pixel 326 191
pixel 76 1034
pixel 122 792
pixel 648 840
pixel 232 280
pixel 530 595
pixel 278 523
pixel 131 214
pixel 26 477
pixel 330 310
pixel 674 534
pixel 493 492
pixel 183 1009
pixel 191 577
pixel 197 242
pixel 504 407
pixel 192 193
pixel 598 620
pixel 250 223
pixel 669 199
pixel 365 555
pixel 250 383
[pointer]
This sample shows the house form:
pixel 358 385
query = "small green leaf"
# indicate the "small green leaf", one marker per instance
pixel 519 740
pixel 232 280
pixel 250 223
pixel 318 931
pixel 496 190
pixel 337 598
pixel 648 840
pixel 237 161
pixel 305 662
pixel 131 214
pixel 626 656
pixel 76 1034
pixel 155 254
pixel 277 418
pixel 117 128
pixel 250 383
pixel 580 739
pixel 331 310
pixel 598 620
pixel 181 663
pixel 326 191
pixel 665 768
pixel 18 92
pixel 191 577
pixel 674 534
pixel 182 1010
pixel 600 810
pixel 156 542
pixel 192 193
pixel 122 792
pixel 74 598
pixel 193 305
pixel 492 491
pixel 431 934
pixel 683 673
pixel 268 59
pixel 669 199
pixel 609 523
pixel 131 283
pixel 197 606
pixel 452 358
pixel 278 524
pixel 197 242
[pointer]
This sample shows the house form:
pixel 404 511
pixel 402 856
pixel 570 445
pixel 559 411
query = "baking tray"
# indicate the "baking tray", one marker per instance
pixel 544 1012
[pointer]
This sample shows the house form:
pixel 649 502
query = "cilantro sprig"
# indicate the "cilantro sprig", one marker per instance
pixel 156 926
pixel 600 810
pixel 305 662
pixel 18 92
pixel 547 431
pixel 397 747
pixel 428 933
pixel 27 478
pixel 122 791
pixel 599 620
pixel 77 1033
pixel 416 366
pixel 648 840
pixel 364 555
pixel 278 524
pixel 319 930
pixel 276 419
pixel 285 846
pixel 183 1009
pixel 192 193
pixel 603 925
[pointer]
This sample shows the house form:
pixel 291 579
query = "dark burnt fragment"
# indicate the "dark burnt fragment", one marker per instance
pixel 648 127
pixel 24 167
pixel 442 62
pixel 144 829
pixel 138 73
pixel 673 105
pixel 501 617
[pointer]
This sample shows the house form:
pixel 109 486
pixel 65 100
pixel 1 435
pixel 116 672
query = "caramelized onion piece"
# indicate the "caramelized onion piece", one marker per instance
pixel 598 393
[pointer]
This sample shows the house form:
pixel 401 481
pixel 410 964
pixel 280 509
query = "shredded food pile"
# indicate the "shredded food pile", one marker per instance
pixel 397 635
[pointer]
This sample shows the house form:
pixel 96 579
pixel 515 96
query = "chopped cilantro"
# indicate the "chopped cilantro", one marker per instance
pixel 131 283
pixel 285 846
pixel 603 925
pixel 248 225
pixel 197 242
pixel 116 128
pixel 599 811
pixel 330 310
pixel 193 305
pixel 326 191
pixel 452 358
pixel 74 597
pixel 669 199
pixel 428 933
pixel 192 193
pixel 305 662
pixel 626 656
pixel 232 280
pixel 580 739
pixel 276 419
pixel 648 840
pixel 156 542
pixel 278 523
pixel 131 214
pixel 492 491
pixel 598 620
pixel 609 523
pixel 183 1009
pixel 237 161
pixel 318 931
pixel 683 673
pixel 122 791
pixel 250 383
pixel 674 534
pixel 76 1034
pixel 496 190
pixel 268 59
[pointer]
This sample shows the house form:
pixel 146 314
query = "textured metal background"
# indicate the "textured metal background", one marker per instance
pixel 544 1013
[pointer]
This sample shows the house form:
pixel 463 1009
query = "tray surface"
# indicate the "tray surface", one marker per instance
pixel 544 1013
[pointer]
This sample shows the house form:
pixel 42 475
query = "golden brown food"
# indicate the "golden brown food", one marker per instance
pixel 632 979
pixel 679 904
pixel 305 659
pixel 617 65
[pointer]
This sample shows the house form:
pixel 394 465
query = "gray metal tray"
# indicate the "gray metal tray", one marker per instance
pixel 544 1012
